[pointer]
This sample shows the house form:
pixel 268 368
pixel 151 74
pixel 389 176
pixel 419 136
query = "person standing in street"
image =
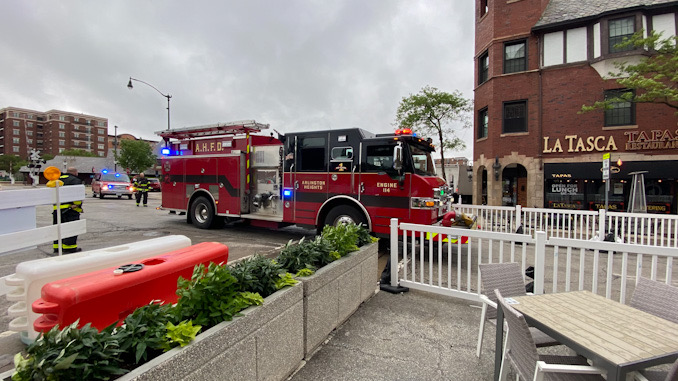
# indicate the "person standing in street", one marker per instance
pixel 141 186
pixel 70 211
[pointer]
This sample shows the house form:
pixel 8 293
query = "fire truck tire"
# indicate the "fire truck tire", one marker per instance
pixel 202 213
pixel 344 214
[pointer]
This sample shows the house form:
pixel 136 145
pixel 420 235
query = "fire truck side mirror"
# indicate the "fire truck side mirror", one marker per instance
pixel 398 157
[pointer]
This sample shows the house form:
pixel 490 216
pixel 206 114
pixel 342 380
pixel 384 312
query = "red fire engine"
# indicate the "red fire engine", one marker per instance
pixel 232 171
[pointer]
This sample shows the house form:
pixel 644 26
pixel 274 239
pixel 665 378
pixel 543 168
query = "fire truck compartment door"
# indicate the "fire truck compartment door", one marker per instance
pixel 230 183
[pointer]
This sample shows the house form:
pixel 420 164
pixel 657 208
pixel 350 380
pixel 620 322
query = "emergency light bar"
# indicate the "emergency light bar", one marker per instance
pixel 404 131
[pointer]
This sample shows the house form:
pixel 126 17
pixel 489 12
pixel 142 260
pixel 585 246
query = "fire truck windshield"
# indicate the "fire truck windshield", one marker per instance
pixel 422 161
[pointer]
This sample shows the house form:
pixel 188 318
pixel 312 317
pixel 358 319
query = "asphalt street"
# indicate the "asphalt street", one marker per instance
pixel 112 221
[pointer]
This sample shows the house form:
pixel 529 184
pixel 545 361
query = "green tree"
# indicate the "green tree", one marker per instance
pixel 76 152
pixel 432 112
pixel 136 155
pixel 11 163
pixel 653 79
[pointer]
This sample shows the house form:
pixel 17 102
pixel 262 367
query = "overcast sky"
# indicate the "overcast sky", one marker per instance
pixel 297 65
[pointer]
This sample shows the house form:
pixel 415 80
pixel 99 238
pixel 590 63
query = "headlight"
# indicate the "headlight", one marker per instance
pixel 424 203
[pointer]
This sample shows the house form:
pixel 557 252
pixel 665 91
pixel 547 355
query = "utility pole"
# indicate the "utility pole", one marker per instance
pixel 115 148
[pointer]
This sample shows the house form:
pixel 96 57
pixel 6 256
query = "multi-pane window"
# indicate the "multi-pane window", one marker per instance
pixel 100 138
pixel 15 123
pixel 15 149
pixel 29 124
pixel 101 154
pixel 483 67
pixel 29 133
pixel 515 117
pixel 483 123
pixel 620 30
pixel 75 119
pixel 16 140
pixel 29 141
pixel 100 146
pixel 62 126
pixel 62 134
pixel 15 131
pixel 61 117
pixel 100 123
pixel 623 112
pixel 16 114
pixel 515 56
pixel 62 143
pixel 101 131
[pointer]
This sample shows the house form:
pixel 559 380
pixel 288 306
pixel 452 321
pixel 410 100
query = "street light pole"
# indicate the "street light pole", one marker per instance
pixel 115 146
pixel 129 86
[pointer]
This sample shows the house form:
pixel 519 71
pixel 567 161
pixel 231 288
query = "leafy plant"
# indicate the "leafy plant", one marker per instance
pixel 257 274
pixel 71 354
pixel 143 333
pixel 364 236
pixel 343 237
pixel 285 280
pixel 181 334
pixel 304 272
pixel 306 254
pixel 211 296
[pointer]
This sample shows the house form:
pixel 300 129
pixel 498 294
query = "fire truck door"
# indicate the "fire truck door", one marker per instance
pixel 309 177
pixel 384 191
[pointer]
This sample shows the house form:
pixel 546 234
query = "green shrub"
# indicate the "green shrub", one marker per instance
pixel 180 335
pixel 285 280
pixel 211 296
pixel 364 236
pixel 71 354
pixel 343 237
pixel 143 332
pixel 257 274
pixel 304 272
pixel 306 254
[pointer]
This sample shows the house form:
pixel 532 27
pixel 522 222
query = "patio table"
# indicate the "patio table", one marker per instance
pixel 612 335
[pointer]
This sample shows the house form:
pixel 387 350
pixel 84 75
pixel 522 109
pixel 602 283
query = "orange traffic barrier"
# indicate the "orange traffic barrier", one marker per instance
pixel 106 296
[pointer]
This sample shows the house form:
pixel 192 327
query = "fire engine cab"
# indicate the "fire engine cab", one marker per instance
pixel 230 171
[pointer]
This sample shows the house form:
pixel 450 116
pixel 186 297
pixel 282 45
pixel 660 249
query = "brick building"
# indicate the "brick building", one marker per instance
pixel 51 132
pixel 537 63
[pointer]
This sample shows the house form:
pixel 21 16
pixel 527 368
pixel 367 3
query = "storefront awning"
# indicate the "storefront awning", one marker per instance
pixel 665 170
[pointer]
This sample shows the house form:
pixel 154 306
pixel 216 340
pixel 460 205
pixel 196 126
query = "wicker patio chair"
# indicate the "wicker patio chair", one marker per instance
pixel 659 375
pixel 521 351
pixel 508 279
pixel 656 298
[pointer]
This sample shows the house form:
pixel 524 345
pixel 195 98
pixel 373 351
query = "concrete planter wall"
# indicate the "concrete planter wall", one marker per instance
pixel 264 344
pixel 334 292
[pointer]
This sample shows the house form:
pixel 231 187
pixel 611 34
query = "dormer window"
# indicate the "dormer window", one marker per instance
pixel 621 29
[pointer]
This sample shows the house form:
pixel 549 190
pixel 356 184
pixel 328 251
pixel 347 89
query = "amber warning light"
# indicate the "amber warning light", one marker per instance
pixel 404 131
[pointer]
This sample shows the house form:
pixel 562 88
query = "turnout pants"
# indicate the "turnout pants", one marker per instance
pixel 67 215
pixel 139 195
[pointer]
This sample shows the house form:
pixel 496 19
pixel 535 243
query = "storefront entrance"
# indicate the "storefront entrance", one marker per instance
pixel 514 185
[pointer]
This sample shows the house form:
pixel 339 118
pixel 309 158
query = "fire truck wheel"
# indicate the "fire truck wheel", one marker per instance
pixel 202 213
pixel 344 214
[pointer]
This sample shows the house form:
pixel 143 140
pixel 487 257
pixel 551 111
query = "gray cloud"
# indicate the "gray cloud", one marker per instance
pixel 298 65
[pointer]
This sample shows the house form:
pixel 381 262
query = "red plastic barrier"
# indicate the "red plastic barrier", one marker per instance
pixel 106 296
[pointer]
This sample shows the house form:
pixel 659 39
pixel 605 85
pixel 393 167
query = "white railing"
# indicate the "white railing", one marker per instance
pixel 437 261
pixel 445 261
pixel 638 228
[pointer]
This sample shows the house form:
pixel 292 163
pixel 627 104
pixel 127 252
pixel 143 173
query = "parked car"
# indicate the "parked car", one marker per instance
pixel 112 184
pixel 154 184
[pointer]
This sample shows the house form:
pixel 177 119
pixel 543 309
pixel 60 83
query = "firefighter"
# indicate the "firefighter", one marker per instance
pixel 69 212
pixel 141 186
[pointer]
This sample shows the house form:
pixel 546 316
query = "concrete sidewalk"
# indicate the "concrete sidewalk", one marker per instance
pixel 410 336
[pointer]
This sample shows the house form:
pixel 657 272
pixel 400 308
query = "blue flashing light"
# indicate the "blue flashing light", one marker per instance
pixel 287 192
pixel 110 186
pixel 117 175
pixel 104 171
pixel 165 151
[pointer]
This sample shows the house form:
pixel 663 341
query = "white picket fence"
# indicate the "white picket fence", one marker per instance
pixel 609 269
pixel 636 228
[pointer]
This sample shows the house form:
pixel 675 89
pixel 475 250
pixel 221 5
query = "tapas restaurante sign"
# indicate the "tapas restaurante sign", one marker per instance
pixel 636 140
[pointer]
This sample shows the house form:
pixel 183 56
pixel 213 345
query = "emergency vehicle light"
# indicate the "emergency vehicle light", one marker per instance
pixel 165 151
pixel 117 175
pixel 104 171
pixel 404 131
pixel 287 192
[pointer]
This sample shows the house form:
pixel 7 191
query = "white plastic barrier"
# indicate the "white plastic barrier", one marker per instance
pixel 30 276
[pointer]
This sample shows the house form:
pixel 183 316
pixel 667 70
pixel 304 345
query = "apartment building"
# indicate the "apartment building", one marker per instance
pixel 51 132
